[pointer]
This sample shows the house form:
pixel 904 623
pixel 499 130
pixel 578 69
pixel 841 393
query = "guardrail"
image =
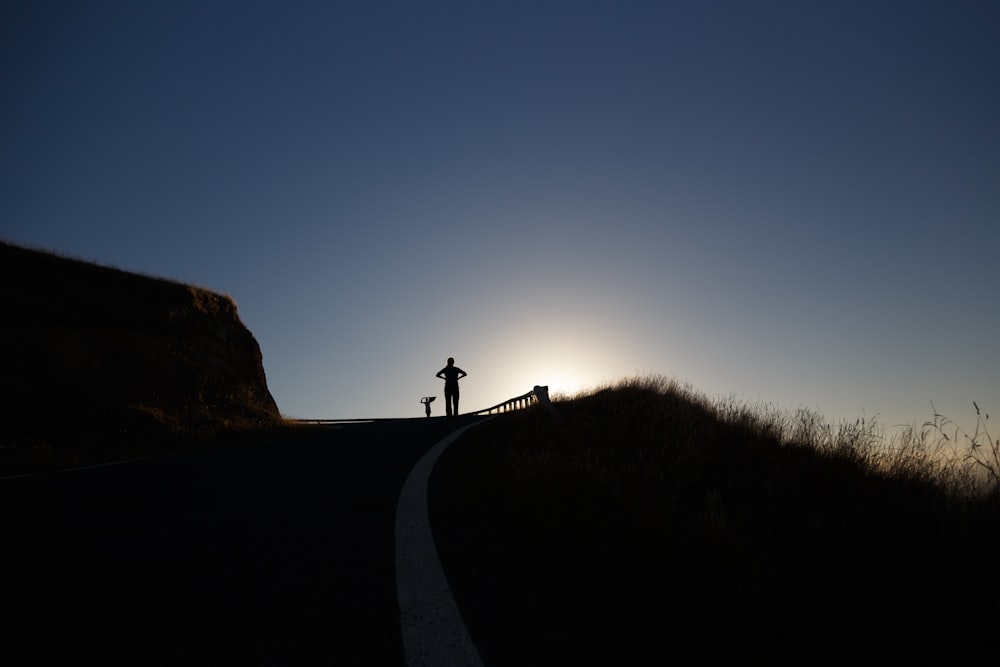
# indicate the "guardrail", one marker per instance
pixel 516 403
pixel 536 395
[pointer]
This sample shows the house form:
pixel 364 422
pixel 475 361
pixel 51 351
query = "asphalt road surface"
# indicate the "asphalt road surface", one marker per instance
pixel 278 553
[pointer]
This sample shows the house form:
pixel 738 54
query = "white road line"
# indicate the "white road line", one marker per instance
pixel 433 631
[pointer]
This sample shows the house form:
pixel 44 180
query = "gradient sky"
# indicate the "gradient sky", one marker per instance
pixel 795 203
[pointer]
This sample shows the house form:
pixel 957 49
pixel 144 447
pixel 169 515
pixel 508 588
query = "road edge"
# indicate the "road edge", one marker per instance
pixel 431 624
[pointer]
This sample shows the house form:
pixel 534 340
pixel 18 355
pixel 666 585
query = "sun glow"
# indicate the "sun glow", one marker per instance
pixel 564 384
pixel 564 375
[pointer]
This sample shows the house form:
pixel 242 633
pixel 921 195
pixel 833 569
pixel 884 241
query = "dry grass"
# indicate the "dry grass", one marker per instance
pixel 651 525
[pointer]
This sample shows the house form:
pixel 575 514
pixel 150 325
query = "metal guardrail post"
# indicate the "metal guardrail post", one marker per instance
pixel 542 394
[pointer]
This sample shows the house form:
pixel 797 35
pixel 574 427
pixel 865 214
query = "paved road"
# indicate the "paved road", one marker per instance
pixel 271 554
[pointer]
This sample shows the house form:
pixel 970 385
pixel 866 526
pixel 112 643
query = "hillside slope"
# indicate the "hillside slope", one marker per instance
pixel 100 363
pixel 650 526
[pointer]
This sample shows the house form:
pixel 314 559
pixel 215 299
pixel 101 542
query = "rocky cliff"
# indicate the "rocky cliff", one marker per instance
pixel 100 362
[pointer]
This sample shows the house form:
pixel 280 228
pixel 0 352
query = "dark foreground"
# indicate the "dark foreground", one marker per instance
pixel 271 553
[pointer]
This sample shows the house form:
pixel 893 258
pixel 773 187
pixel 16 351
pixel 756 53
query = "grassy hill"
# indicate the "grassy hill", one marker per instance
pixel 100 363
pixel 649 526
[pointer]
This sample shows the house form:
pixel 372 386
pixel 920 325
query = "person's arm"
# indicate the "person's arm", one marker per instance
pixel 461 373
pixel 440 374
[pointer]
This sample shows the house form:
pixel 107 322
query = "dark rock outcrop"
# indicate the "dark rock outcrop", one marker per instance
pixel 97 358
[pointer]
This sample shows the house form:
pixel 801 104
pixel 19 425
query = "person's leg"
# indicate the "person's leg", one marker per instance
pixel 455 398
pixel 447 401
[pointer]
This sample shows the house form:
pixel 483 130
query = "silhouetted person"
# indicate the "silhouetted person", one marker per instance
pixel 427 400
pixel 451 374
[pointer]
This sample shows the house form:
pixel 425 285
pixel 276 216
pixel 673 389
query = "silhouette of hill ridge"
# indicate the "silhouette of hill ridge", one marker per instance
pixel 652 526
pixel 101 363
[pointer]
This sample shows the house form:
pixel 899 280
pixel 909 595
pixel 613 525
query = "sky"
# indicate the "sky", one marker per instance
pixel 789 203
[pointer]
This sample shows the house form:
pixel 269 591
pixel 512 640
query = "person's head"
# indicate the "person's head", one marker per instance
pixel 451 361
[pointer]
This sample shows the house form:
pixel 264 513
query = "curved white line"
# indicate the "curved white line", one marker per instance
pixel 432 627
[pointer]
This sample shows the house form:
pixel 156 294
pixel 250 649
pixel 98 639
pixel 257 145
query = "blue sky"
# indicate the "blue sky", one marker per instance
pixel 795 203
